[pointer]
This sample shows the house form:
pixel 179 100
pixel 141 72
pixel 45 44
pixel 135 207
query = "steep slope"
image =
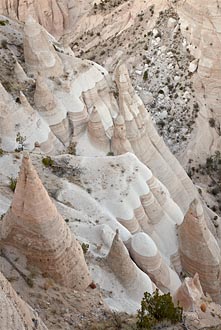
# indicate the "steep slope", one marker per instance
pixel 55 16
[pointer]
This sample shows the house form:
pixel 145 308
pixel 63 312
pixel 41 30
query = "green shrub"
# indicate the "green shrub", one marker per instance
pixel 1 152
pixel 12 183
pixel 3 23
pixel 157 308
pixel 4 43
pixel 145 76
pixel 30 282
pixel 21 141
pixel 72 148
pixel 85 247
pixel 212 122
pixel 110 153
pixel 47 161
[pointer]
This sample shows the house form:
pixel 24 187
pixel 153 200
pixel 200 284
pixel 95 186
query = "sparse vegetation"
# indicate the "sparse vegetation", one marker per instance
pixel 3 23
pixel 1 152
pixel 72 148
pixel 157 308
pixel 89 190
pixel 4 43
pixel 85 247
pixel 47 161
pixel 212 122
pixel 145 76
pixel 110 153
pixel 30 282
pixel 12 183
pixel 21 141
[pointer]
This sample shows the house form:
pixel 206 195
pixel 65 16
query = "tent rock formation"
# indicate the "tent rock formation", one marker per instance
pixel 34 226
pixel 132 278
pixel 199 251
pixel 145 254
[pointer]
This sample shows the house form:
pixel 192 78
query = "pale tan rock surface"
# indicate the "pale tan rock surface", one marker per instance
pixel 39 52
pixel 146 255
pixel 132 278
pixel 14 312
pixel 96 129
pixel 52 110
pixel 128 190
pixel 199 311
pixel 189 294
pixel 199 251
pixel 52 14
pixel 119 143
pixel 34 226
pixel 200 24
pixel 20 73
pixel 79 104
pixel 33 128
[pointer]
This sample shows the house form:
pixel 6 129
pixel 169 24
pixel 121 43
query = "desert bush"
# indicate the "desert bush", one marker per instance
pixel 12 183
pixel 145 76
pixel 21 141
pixel 72 148
pixel 85 247
pixel 4 43
pixel 47 161
pixel 2 23
pixel 110 153
pixel 212 122
pixel 157 308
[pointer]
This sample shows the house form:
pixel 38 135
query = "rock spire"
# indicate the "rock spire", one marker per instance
pixel 199 251
pixel 34 226
pixel 131 277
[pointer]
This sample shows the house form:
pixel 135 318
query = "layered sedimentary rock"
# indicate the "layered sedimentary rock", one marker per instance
pixel 119 143
pixel 199 251
pixel 52 110
pixel 34 226
pixel 146 255
pixel 22 118
pixel 148 145
pixel 131 277
pixel 14 312
pixel 20 73
pixel 96 129
pixel 39 52
pixel 67 102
